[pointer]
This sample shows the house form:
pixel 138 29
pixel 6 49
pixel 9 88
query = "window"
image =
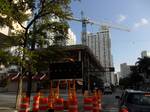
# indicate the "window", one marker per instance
pixel 139 99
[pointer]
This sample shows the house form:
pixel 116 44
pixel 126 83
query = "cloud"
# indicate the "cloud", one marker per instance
pixel 121 18
pixel 142 22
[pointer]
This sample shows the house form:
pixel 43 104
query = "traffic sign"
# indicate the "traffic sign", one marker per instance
pixel 66 70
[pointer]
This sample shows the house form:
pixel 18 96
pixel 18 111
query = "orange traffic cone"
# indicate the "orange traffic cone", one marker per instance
pixel 59 105
pixel 69 90
pixel 74 90
pixel 73 102
pixel 51 98
pixel 88 104
pixel 100 99
pixel 57 90
pixel 43 107
pixel 95 102
pixel 73 105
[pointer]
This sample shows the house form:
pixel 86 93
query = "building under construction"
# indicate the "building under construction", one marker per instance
pixel 78 63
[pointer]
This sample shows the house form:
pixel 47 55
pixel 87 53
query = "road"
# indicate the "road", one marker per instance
pixel 109 103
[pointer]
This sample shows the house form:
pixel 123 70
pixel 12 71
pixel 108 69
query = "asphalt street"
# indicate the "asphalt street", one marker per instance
pixel 110 103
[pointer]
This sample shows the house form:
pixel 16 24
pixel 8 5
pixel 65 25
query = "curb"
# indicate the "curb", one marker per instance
pixel 7 108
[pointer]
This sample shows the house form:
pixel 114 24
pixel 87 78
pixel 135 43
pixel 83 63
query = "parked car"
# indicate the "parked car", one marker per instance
pixel 107 90
pixel 134 101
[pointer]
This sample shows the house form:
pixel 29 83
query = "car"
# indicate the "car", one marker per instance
pixel 107 90
pixel 134 101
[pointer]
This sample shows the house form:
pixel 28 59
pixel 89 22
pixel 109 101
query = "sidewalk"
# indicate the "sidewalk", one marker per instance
pixel 7 109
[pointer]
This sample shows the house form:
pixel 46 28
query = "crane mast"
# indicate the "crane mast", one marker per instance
pixel 84 30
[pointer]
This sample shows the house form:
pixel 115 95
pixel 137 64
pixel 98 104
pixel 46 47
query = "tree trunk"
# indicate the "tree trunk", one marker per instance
pixel 29 84
pixel 19 93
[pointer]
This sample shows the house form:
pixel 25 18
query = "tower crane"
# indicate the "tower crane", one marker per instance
pixel 104 25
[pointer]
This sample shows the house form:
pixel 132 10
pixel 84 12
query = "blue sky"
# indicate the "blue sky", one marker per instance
pixel 135 14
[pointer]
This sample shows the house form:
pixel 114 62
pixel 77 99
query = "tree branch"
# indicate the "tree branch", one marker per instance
pixel 21 25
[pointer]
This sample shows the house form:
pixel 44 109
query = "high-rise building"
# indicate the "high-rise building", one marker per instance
pixel 100 44
pixel 125 70
pixel 116 79
pixel 71 40
pixel 145 54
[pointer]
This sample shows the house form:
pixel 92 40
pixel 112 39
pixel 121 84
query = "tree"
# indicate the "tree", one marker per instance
pixel 41 16
pixel 124 82
pixel 135 79
pixel 143 66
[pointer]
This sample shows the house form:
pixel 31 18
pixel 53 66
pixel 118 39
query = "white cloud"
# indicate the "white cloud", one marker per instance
pixel 142 22
pixel 121 18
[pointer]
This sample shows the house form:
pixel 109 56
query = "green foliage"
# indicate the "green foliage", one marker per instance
pixel 42 57
pixel 48 17
pixel 4 82
pixel 5 56
pixel 41 27
pixel 49 22
pixel 43 12
pixel 135 79
pixel 9 41
pixel 11 11
pixel 125 82
pixel 143 65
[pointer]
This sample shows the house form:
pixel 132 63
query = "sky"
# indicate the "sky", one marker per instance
pixel 126 46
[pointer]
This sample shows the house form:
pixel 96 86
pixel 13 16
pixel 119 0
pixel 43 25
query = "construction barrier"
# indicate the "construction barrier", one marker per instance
pixel 36 101
pixel 88 104
pixel 43 107
pixel 59 105
pixel 24 106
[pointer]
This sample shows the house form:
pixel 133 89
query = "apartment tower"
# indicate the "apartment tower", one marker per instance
pixel 100 44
